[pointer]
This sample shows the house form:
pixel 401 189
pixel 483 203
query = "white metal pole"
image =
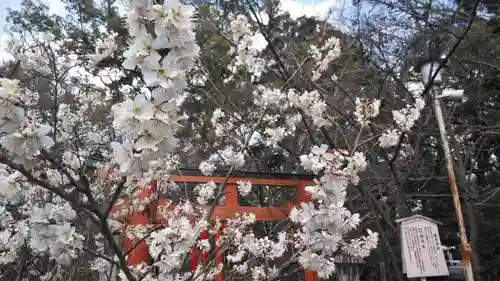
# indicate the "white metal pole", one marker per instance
pixel 466 249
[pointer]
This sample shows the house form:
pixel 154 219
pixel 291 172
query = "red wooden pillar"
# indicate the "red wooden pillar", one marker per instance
pixel 195 254
pixel 138 251
pixel 311 276
pixel 231 203
pixel 304 196
pixel 204 255
pixel 219 256
pixel 193 259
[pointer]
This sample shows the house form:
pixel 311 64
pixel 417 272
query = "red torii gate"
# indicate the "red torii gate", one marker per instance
pixel 138 252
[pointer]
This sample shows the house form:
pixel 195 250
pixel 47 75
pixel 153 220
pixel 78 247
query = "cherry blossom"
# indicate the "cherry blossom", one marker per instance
pixel 51 166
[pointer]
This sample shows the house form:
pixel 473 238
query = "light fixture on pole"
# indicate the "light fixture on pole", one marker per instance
pixel 430 68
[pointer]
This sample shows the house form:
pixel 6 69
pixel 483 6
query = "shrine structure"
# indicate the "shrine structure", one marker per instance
pixel 137 251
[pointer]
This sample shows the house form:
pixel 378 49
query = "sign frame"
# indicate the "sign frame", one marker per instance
pixel 421 249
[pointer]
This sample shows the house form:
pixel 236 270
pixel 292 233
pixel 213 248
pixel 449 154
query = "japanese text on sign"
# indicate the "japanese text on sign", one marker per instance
pixel 422 253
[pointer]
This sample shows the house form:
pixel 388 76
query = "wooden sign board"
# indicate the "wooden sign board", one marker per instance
pixel 422 253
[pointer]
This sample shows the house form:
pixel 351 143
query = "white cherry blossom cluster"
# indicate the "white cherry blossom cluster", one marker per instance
pixel 149 121
pixel 21 137
pixel 264 96
pixel 244 187
pixel 223 124
pixel 207 167
pixel 323 60
pixel 494 161
pixel 60 239
pixel 244 50
pixel 217 116
pixel 163 49
pixel 325 222
pixel 248 246
pixel 35 59
pixel 205 192
pixel 105 48
pixel 276 104
pixel 10 188
pixel 172 31
pixel 404 118
pixel 275 135
pixel 170 245
pixel 243 246
pixel 13 236
pixel 389 138
pixel 312 104
pixel 366 110
pixel 47 231
pixel 231 157
pixel 318 159
pixel 104 268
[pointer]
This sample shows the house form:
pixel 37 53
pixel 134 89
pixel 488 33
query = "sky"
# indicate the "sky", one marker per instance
pixel 296 8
